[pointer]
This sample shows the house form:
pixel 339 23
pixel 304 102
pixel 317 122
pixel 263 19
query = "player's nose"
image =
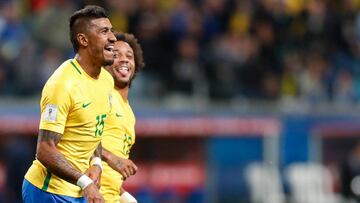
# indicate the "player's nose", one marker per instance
pixel 111 37
pixel 123 58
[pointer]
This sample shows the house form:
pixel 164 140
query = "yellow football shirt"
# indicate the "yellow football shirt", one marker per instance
pixel 76 106
pixel 118 138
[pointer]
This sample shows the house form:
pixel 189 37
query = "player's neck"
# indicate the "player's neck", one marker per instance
pixel 88 65
pixel 124 92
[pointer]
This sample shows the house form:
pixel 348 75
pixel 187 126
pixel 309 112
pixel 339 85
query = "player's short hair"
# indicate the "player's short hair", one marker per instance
pixel 80 19
pixel 136 47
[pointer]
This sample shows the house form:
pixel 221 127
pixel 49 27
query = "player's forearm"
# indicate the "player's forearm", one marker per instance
pixel 57 164
pixel 109 158
pixel 96 157
pixel 52 159
pixel 124 166
pixel 98 151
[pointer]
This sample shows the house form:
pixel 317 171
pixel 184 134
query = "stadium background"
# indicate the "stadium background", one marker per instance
pixel 228 83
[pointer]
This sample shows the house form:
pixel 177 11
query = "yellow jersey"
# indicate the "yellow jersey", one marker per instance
pixel 76 106
pixel 118 138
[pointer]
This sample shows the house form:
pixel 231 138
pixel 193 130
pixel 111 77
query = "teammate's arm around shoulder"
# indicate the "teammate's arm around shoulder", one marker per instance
pixel 52 159
pixel 125 167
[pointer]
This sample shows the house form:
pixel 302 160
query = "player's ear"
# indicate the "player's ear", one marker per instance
pixel 82 39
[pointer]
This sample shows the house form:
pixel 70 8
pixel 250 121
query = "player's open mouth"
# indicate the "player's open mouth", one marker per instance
pixel 123 70
pixel 109 48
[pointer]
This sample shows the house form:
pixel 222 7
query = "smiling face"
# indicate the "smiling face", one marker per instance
pixel 123 67
pixel 101 40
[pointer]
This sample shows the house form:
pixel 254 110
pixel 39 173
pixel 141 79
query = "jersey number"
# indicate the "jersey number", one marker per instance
pixel 100 125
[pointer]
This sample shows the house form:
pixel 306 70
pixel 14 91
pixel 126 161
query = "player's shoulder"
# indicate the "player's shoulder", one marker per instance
pixel 64 75
pixel 67 69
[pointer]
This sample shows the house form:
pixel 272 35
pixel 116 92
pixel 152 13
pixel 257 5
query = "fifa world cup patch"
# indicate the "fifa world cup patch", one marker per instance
pixel 50 113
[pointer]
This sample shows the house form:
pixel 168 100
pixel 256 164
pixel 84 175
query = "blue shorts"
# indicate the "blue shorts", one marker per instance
pixel 32 194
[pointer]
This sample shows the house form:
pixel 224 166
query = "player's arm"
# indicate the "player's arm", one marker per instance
pixel 124 166
pixel 52 159
pixel 95 170
pixel 98 150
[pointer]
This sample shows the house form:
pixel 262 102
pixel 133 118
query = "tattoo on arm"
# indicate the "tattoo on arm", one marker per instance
pixel 52 159
pixel 111 159
pixel 105 155
pixel 49 136
pixel 119 163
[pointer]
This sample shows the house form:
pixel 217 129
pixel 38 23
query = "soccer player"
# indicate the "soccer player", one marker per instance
pixel 74 104
pixel 120 125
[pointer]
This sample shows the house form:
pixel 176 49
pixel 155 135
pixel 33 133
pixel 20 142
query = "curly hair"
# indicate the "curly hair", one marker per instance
pixel 136 47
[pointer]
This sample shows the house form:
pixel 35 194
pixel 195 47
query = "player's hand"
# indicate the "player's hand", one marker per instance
pixel 94 172
pixel 125 167
pixel 92 194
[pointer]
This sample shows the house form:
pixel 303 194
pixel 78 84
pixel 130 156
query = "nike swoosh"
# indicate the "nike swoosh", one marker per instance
pixel 86 104
pixel 118 115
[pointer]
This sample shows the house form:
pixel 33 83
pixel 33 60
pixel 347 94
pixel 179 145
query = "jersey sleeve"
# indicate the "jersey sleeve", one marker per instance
pixel 55 105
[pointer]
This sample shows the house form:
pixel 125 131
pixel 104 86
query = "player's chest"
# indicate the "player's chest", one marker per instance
pixel 122 118
pixel 91 102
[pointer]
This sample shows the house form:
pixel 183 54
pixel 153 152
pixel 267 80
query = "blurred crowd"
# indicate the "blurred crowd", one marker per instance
pixel 210 49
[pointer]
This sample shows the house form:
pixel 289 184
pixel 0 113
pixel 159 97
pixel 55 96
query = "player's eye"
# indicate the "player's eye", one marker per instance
pixel 104 31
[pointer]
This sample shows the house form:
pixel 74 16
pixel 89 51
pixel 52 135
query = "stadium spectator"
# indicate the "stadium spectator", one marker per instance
pixel 253 38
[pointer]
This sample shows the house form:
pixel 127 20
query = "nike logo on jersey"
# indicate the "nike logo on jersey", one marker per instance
pixel 118 115
pixel 86 104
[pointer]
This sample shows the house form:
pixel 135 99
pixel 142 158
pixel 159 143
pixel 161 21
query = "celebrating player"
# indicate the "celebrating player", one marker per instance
pixel 74 104
pixel 120 126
